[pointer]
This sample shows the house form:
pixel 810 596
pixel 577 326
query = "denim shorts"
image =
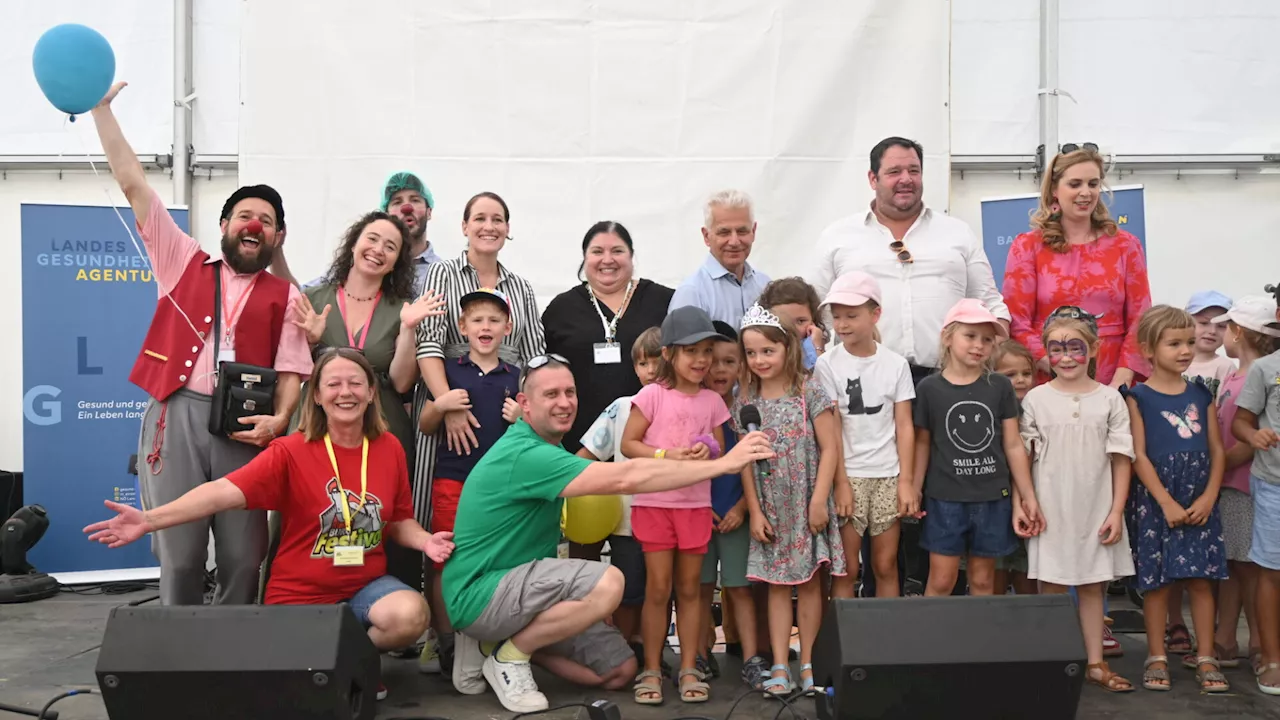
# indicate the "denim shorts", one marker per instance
pixel 362 602
pixel 984 529
pixel 1266 523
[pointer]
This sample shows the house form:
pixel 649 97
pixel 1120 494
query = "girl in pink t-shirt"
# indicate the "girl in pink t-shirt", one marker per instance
pixel 678 419
pixel 1234 502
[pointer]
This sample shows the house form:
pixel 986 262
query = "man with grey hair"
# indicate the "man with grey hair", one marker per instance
pixel 726 284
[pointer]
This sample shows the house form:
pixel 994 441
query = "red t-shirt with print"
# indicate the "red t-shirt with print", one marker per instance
pixel 295 477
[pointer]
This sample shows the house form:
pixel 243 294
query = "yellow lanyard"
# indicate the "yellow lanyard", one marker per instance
pixel 364 478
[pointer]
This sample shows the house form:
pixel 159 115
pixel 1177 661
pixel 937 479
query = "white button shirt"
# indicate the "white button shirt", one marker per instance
pixel 948 264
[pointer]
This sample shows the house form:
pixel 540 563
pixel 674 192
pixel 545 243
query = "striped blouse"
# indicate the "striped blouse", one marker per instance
pixel 439 337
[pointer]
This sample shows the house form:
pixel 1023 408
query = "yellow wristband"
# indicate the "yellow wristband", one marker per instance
pixel 660 454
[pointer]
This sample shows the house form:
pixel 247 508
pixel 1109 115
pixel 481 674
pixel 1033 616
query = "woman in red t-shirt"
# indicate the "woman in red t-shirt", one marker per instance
pixel 341 486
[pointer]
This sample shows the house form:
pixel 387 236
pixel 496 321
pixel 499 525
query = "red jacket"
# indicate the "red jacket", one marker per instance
pixel 170 349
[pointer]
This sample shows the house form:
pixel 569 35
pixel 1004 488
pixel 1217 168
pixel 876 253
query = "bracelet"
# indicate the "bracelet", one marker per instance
pixel 660 454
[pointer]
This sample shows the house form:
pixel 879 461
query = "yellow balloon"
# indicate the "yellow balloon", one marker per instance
pixel 591 518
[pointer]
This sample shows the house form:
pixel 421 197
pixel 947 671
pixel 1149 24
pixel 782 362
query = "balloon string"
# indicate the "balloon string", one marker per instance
pixel 133 238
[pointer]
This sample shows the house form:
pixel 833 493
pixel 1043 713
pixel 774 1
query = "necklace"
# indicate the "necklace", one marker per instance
pixel 360 299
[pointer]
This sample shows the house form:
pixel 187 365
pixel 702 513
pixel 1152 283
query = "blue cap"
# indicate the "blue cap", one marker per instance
pixel 1207 299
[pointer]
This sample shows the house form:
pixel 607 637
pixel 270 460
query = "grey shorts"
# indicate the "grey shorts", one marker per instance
pixel 533 588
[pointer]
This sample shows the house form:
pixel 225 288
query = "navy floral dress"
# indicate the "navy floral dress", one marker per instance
pixel 1178 445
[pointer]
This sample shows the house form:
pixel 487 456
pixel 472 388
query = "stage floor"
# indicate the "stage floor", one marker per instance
pixel 50 646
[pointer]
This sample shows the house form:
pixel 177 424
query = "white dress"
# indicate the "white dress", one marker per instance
pixel 1072 436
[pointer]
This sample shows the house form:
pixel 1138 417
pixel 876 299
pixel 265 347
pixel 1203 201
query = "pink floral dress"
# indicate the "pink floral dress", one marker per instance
pixel 1107 277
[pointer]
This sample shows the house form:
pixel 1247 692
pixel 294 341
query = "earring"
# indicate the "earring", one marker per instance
pixel 1055 209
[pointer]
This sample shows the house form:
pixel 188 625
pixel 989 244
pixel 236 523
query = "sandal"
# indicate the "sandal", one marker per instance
pixel 1177 639
pixel 700 689
pixel 806 683
pixel 1156 678
pixel 1272 688
pixel 646 693
pixel 707 665
pixel 1107 680
pixel 1110 645
pixel 1224 658
pixel 779 685
pixel 1255 660
pixel 1211 681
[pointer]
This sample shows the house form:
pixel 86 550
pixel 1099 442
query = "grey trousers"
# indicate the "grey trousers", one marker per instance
pixel 190 456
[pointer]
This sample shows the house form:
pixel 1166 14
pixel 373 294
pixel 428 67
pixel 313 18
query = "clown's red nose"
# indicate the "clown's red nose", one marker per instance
pixel 406 210
pixel 253 227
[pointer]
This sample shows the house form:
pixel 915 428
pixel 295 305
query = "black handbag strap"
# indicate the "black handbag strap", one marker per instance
pixel 217 313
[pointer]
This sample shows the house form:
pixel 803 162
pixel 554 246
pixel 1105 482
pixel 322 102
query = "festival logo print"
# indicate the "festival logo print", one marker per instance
pixel 366 522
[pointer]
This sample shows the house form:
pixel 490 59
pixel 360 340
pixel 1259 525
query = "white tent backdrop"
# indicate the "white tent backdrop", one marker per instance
pixel 580 111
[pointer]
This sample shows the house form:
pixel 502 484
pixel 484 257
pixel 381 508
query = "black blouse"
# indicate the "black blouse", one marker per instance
pixel 573 327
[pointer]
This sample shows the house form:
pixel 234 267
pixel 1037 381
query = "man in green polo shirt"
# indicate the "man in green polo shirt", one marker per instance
pixel 504 584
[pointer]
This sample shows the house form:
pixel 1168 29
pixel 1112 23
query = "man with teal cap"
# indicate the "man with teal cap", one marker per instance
pixel 408 198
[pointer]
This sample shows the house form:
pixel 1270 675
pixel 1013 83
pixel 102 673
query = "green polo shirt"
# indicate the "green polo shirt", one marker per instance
pixel 508 515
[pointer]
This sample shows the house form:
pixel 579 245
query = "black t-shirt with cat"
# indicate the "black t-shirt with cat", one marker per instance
pixel 967 462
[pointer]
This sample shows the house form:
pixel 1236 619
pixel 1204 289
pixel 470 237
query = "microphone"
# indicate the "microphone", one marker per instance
pixel 750 419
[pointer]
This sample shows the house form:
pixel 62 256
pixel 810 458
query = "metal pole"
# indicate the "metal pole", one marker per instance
pixel 182 96
pixel 1049 77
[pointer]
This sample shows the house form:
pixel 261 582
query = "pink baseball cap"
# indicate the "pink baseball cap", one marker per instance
pixel 972 312
pixel 853 288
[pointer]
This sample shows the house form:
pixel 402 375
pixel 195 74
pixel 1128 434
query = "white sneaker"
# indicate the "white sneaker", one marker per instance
pixel 468 665
pixel 514 685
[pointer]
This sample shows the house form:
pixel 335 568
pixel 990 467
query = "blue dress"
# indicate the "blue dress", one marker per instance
pixel 1177 435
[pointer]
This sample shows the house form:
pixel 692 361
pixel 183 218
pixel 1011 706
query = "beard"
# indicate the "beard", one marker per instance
pixel 242 264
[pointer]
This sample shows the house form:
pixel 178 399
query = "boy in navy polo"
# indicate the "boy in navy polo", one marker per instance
pixel 487 387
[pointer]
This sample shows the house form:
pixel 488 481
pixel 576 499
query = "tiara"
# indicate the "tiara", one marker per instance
pixel 757 316
pixel 1071 312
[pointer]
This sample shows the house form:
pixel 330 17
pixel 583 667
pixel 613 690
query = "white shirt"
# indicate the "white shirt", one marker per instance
pixel 948 265
pixel 865 389
pixel 604 440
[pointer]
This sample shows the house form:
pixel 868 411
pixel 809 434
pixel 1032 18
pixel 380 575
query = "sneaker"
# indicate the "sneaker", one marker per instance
pixel 429 660
pixel 754 672
pixel 1110 645
pixel 468 664
pixel 513 683
pixel 382 692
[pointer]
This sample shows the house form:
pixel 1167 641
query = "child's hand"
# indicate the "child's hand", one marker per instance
pixel 677 454
pixel 818 338
pixel 732 520
pixel 1031 509
pixel 510 410
pixel 818 516
pixel 1022 526
pixel 844 499
pixel 1174 514
pixel 1113 529
pixel 699 451
pixel 761 530
pixel 909 500
pixel 454 400
pixel 1200 510
pixel 1264 439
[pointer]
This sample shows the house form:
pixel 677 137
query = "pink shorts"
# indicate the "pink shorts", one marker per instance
pixel 659 529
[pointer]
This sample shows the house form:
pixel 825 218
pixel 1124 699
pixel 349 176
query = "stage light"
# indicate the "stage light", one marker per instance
pixel 19 579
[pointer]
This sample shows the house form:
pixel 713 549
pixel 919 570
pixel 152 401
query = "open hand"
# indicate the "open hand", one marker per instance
pixel 305 317
pixel 459 435
pixel 439 546
pixel 750 448
pixel 429 304
pixel 111 94
pixel 128 525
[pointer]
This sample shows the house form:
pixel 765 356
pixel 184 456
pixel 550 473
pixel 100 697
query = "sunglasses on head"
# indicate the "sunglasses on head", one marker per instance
pixel 541 361
pixel 1075 313
pixel 1072 147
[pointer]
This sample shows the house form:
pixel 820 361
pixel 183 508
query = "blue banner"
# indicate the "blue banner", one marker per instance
pixel 1004 219
pixel 87 300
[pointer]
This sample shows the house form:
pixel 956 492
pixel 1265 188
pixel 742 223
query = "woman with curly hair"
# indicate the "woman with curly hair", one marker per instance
pixel 1076 255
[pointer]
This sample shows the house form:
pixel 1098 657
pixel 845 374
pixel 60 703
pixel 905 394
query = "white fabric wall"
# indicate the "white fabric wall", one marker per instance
pixel 580 111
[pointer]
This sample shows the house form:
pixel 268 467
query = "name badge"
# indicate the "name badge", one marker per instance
pixel 562 551
pixel 348 555
pixel 226 355
pixel 608 353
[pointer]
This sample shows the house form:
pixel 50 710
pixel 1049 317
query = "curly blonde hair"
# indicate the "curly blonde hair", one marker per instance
pixel 1049 223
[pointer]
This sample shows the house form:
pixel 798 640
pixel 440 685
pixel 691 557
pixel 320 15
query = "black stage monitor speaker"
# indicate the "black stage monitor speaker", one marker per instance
pixel 297 662
pixel 1015 657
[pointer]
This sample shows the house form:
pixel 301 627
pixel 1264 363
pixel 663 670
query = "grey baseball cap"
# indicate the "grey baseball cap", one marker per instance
pixel 688 325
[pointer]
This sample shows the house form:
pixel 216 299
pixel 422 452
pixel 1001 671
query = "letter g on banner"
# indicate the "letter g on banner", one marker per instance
pixel 37 412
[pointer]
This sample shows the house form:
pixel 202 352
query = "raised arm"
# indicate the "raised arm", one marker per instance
pixel 121 157
pixel 645 475
pixel 130 523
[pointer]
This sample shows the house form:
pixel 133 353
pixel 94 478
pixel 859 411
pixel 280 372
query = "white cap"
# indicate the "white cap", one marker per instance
pixel 1253 312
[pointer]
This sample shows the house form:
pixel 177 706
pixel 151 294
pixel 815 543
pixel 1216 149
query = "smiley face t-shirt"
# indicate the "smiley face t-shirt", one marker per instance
pixel 967 462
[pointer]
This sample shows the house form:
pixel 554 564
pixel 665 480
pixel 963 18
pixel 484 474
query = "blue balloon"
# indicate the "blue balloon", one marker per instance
pixel 74 66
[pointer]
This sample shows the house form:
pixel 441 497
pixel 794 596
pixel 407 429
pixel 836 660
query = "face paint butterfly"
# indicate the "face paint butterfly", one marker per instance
pixel 1188 423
